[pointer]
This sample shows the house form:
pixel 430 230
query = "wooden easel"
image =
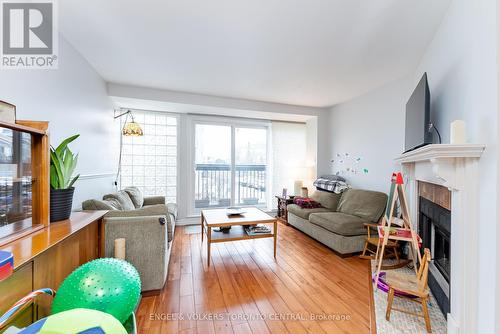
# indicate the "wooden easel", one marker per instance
pixel 387 232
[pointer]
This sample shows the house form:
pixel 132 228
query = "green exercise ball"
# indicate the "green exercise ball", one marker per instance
pixel 108 285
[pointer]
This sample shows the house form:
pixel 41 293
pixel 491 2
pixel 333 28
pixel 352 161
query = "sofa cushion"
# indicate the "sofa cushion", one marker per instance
pixel 304 213
pixel 366 204
pixel 327 199
pixel 136 196
pixel 123 198
pixel 95 204
pixel 339 223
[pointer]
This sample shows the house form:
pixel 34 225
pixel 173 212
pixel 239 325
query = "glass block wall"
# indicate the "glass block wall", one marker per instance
pixel 150 162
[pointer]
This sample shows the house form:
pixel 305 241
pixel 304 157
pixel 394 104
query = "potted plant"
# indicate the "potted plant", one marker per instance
pixel 62 166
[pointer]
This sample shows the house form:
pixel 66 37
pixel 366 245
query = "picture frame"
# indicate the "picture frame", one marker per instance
pixel 7 112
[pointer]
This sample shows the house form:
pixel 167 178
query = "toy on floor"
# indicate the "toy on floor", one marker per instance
pixel 6 264
pixel 108 285
pixel 78 320
pixel 382 285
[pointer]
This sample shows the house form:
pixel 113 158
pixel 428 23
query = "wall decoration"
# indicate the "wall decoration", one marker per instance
pixel 7 112
pixel 345 164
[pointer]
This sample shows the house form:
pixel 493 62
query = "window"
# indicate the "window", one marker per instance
pixel 230 164
pixel 150 162
pixel 289 145
pixel 15 176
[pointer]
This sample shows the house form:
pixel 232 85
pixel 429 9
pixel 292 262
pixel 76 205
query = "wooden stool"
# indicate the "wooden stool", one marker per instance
pixel 414 286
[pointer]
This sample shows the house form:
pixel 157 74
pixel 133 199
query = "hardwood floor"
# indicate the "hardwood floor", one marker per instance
pixel 246 291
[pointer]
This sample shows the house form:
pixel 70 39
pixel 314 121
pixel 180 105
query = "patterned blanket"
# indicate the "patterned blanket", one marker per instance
pixel 334 186
pixel 306 203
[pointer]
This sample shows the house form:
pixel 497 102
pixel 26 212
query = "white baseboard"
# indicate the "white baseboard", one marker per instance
pixel 188 221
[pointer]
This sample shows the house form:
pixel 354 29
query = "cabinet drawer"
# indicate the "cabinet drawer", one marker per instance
pixel 14 288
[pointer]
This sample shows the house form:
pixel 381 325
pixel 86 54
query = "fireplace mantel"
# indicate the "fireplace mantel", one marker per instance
pixel 457 168
pixel 442 151
pixel 444 159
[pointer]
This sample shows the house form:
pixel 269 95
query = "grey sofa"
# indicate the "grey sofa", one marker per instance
pixel 339 224
pixel 148 226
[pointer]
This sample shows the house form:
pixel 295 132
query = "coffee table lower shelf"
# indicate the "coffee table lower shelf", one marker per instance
pixel 237 233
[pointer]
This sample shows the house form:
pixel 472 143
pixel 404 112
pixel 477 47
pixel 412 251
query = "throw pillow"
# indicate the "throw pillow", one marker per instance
pixel 136 196
pixel 123 198
pixel 95 204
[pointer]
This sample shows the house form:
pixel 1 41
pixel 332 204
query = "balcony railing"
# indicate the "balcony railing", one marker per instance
pixel 213 185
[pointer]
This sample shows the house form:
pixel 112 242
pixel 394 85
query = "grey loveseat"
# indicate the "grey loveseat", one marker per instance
pixel 148 226
pixel 339 224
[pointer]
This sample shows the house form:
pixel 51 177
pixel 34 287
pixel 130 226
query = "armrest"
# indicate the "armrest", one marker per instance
pixel 150 210
pixel 145 245
pixel 145 211
pixel 152 200
pixel 150 228
pixel 370 226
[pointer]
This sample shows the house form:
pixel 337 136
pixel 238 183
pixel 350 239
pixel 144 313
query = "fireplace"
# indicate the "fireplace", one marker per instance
pixel 434 227
pixel 454 169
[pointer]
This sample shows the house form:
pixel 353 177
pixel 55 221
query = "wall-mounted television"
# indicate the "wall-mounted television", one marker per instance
pixel 418 117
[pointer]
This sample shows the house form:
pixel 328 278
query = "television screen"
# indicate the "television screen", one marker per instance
pixel 417 132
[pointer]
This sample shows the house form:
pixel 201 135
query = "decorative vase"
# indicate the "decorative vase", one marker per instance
pixel 61 202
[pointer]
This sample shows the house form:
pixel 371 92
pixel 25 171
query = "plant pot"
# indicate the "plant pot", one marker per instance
pixel 61 202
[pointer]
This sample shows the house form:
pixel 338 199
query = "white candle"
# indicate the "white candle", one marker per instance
pixel 457 132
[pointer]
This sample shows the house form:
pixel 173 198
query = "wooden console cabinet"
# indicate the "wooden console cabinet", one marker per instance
pixel 44 258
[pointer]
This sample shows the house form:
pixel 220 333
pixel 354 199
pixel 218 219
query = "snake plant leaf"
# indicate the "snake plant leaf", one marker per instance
pixel 68 164
pixel 54 180
pixel 56 162
pixel 64 144
pixel 72 160
pixel 63 164
pixel 73 181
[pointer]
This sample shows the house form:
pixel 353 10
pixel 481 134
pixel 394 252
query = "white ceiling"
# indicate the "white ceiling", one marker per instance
pixel 302 52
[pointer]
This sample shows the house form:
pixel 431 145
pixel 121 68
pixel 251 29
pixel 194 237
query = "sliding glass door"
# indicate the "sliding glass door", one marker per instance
pixel 213 173
pixel 230 165
pixel 250 166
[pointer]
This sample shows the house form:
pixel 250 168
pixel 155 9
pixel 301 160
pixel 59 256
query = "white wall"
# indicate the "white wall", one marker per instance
pixel 497 287
pixel 73 99
pixel 461 63
pixel 371 127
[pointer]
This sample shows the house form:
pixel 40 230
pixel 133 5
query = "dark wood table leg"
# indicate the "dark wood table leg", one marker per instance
pixel 275 237
pixel 202 227
pixel 209 241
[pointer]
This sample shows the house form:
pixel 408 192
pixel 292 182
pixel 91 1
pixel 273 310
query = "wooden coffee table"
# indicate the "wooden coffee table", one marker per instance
pixel 211 218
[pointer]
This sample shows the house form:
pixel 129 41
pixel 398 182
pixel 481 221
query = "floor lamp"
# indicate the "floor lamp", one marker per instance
pixel 130 128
